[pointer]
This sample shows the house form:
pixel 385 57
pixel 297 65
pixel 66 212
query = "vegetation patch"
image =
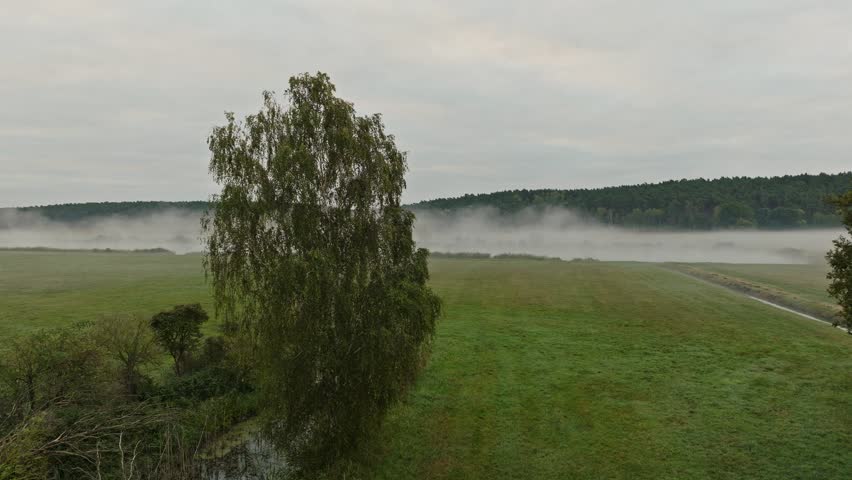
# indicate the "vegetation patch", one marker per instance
pixel 80 401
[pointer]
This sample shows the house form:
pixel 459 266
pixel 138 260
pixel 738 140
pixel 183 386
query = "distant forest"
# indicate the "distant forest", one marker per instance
pixel 779 202
pixel 80 212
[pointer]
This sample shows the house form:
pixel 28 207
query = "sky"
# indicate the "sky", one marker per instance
pixel 112 100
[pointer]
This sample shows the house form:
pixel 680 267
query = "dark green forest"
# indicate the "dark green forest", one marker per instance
pixel 790 201
pixel 777 202
pixel 78 212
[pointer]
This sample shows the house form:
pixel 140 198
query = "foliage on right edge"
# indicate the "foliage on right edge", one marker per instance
pixel 840 260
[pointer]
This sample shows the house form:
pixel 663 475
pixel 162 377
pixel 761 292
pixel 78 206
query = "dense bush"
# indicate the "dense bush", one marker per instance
pixel 202 384
pixel 65 411
pixel 216 415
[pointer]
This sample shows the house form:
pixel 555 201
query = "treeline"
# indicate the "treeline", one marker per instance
pixel 157 250
pixel 77 212
pixel 790 201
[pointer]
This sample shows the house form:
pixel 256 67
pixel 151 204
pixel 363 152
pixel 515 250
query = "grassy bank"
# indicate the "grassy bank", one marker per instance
pixel 800 287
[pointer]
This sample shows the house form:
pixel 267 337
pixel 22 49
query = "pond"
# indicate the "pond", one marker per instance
pixel 242 454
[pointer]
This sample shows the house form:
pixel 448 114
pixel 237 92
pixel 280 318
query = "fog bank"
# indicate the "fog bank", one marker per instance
pixel 176 230
pixel 561 233
pixel 553 232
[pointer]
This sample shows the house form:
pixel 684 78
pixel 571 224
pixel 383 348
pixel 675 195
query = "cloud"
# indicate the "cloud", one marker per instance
pixel 111 100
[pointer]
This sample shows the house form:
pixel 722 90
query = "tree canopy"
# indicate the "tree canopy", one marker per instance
pixel 179 331
pixel 311 256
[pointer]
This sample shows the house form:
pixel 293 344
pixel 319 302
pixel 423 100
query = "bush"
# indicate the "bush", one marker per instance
pixel 18 447
pixel 53 366
pixel 179 331
pixel 65 413
pixel 213 351
pixel 218 414
pixel 201 385
pixel 130 342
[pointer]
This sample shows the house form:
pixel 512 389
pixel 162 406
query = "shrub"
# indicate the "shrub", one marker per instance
pixel 129 341
pixel 179 331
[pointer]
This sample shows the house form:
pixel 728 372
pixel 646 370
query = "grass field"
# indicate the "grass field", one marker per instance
pixel 550 369
pixel 46 289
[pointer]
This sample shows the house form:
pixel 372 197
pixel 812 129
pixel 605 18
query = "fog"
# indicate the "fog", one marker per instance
pixel 554 232
pixel 561 233
pixel 176 230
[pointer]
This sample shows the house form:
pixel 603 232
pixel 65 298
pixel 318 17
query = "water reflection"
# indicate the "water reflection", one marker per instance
pixel 243 454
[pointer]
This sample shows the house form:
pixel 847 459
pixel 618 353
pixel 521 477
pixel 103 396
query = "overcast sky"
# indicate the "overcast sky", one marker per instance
pixel 111 100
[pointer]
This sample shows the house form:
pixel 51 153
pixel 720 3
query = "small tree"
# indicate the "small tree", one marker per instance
pixel 312 255
pixel 130 341
pixel 179 331
pixel 28 364
pixel 840 260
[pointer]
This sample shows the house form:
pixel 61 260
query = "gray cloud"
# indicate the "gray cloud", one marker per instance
pixel 109 100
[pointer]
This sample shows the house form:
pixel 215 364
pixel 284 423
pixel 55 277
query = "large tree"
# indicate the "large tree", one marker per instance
pixel 840 260
pixel 312 257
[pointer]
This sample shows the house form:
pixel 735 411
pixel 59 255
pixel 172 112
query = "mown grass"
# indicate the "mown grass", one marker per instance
pixel 544 369
pixel 554 370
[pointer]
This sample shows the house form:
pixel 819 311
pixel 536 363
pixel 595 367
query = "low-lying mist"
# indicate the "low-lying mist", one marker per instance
pixel 561 233
pixel 553 233
pixel 176 230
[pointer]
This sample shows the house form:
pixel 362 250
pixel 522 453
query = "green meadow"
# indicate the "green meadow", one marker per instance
pixel 49 289
pixel 548 369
